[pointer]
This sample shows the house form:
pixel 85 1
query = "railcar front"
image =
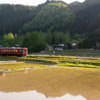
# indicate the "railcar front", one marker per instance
pixel 14 51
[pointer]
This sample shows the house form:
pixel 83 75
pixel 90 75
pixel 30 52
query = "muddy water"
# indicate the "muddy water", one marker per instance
pixel 34 95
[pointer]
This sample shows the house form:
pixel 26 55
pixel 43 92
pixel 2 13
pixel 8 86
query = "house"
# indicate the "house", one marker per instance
pixel 59 47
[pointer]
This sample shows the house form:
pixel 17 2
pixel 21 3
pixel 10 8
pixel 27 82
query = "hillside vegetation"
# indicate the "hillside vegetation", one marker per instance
pixel 80 20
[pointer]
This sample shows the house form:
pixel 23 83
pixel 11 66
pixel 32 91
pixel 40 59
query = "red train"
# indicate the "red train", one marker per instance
pixel 14 51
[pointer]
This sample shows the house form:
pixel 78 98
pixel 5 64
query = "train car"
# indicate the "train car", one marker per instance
pixel 14 51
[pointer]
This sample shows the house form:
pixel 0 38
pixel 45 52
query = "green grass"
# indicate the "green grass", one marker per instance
pixel 71 61
pixel 46 60
pixel 82 51
pixel 85 53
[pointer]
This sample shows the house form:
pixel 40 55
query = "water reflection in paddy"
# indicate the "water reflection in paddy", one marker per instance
pixel 33 95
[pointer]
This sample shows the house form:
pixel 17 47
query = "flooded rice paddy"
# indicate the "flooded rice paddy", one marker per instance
pixel 51 78
pixel 58 83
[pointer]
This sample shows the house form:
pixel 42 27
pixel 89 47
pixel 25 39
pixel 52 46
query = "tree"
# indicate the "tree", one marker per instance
pixel 67 38
pixel 48 37
pixel 9 39
pixel 58 38
pixel 35 41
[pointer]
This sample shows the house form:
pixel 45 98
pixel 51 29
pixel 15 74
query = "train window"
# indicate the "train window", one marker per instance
pixel 23 50
pixel 16 50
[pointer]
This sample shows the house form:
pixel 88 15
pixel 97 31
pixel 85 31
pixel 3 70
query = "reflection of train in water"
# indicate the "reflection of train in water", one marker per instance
pixel 14 51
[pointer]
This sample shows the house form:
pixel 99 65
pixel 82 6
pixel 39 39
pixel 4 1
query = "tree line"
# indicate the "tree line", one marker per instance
pixel 35 41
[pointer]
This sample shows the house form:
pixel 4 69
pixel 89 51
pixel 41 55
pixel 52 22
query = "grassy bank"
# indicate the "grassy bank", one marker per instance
pixel 46 60
pixel 85 53
pixel 32 61
pixel 71 61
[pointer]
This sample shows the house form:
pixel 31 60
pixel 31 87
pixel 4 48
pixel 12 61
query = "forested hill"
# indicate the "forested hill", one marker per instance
pixel 87 21
pixel 13 17
pixel 80 20
pixel 87 16
pixel 54 16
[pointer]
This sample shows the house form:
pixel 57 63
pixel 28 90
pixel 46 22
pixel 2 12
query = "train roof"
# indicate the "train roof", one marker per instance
pixel 12 48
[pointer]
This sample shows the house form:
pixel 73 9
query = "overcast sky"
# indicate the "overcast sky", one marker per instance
pixel 31 2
